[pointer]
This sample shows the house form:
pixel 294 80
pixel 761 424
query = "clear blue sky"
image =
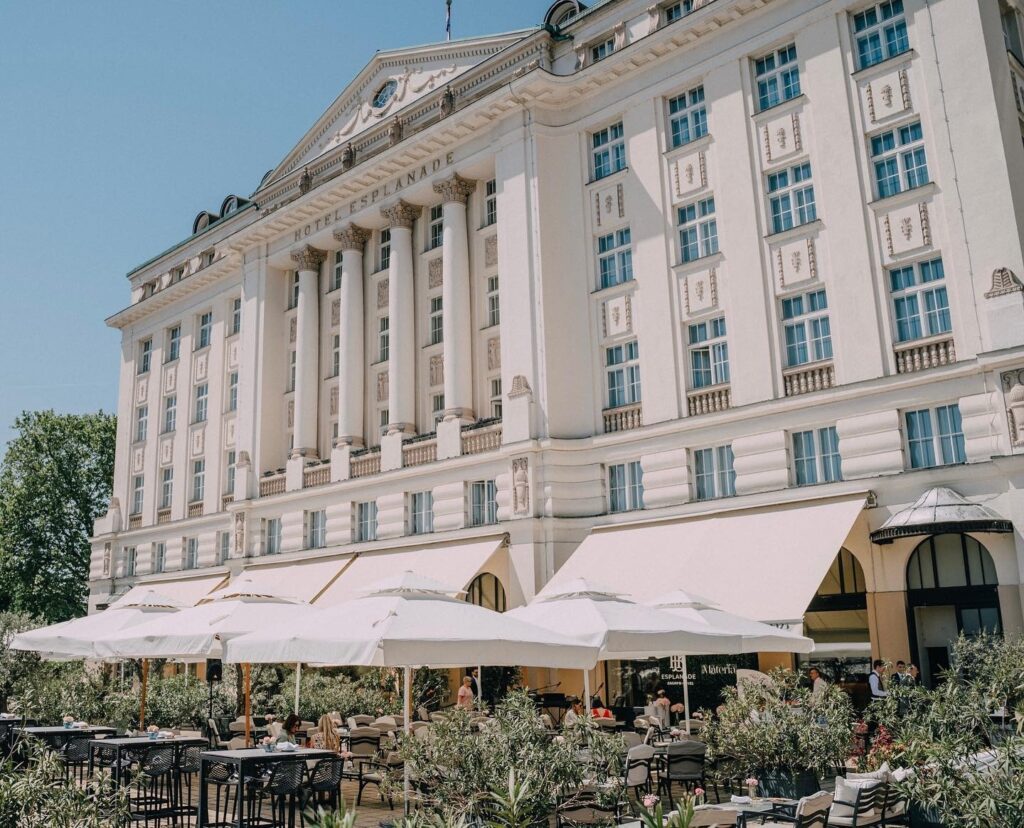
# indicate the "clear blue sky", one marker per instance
pixel 122 119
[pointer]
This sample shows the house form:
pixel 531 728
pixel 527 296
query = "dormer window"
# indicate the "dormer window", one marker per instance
pixel 384 94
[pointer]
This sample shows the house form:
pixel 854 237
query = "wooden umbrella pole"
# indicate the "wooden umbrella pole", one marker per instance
pixel 248 703
pixel 142 694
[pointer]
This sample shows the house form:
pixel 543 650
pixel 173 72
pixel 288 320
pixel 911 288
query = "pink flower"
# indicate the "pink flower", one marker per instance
pixel 698 792
pixel 676 708
pixel 650 801
pixel 751 782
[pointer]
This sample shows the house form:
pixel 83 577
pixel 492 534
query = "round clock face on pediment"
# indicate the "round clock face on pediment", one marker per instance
pixel 384 94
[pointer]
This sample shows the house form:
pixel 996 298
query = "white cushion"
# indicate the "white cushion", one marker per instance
pixel 865 819
pixel 814 803
pixel 883 774
pixel 846 791
pixel 899 774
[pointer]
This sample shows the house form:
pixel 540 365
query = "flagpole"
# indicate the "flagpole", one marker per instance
pixel 448 20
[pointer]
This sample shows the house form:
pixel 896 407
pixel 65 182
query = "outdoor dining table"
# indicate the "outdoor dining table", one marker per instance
pixel 56 738
pixel 245 764
pixel 129 748
pixel 728 813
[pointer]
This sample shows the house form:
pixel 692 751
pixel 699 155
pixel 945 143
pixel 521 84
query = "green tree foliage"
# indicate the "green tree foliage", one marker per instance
pixel 55 481
pixel 15 665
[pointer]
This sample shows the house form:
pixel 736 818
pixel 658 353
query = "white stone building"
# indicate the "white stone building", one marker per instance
pixel 678 294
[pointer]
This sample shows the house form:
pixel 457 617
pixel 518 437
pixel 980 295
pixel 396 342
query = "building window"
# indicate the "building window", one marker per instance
pixel 170 412
pixel 173 343
pixel 366 521
pixel 777 76
pixel 223 547
pixel 436 320
pixel 191 553
pixel 292 368
pixel 601 50
pixel 130 560
pixel 435 229
pixel 899 160
pixel 806 328
pixel 166 487
pixel 486 591
pixel 791 197
pixel 421 513
pixel 384 249
pixel 496 398
pixel 205 330
pixel 272 536
pixel 138 484
pixel 145 355
pixel 1011 32
pixel 141 423
pixel 293 289
pixel 625 487
pixel 483 503
pixel 816 456
pixel 436 408
pixel 202 395
pixel 335 282
pixel 622 363
pixel 198 480
pixel 336 355
pixel 709 353
pixel 677 11
pixel 490 202
pixel 608 150
pixel 383 339
pixel 935 437
pixel 233 391
pixel 713 473
pixel 230 466
pixel 880 33
pixel 698 230
pixel 493 301
pixel 316 529
pixel 615 258
pixel 236 315
pixel 383 418
pixel 919 301
pixel 688 116
pixel 159 557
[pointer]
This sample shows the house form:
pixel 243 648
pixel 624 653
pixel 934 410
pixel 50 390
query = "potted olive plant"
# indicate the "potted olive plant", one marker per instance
pixel 781 733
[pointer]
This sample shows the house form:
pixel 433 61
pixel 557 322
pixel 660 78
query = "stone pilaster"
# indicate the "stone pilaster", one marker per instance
pixel 307 350
pixel 402 316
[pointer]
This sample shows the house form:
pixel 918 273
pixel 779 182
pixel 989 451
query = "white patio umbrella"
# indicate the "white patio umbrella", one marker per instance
pixel 618 627
pixel 748 635
pixel 83 637
pixel 409 621
pixel 200 632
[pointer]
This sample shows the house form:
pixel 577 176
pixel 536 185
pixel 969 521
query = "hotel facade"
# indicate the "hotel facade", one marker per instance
pixel 699 295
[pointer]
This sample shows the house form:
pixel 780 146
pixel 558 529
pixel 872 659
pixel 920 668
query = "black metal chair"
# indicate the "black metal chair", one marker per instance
pixel 684 764
pixel 584 811
pixel 154 796
pixel 225 783
pixel 894 808
pixel 75 755
pixel 283 789
pixel 186 769
pixel 811 812
pixel 636 777
pixel 862 811
pixel 380 773
pixel 364 745
pixel 325 784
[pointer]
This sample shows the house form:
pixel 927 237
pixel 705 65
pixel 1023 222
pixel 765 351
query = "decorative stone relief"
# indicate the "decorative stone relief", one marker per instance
pixel 796 262
pixel 447 102
pixel 491 251
pixel 308 258
pixel 305 181
pixel 108 554
pixel 170 378
pixel 493 354
pixel 382 386
pixel 401 214
pixel 700 291
pixel 230 427
pixel 455 189
pixel 521 485
pixel 198 441
pixel 138 459
pixel 1004 281
pixel 200 366
pixel 334 400
pixel 141 390
pixel 520 387
pixel 653 18
pixel 609 205
pixel 395 131
pixel 617 316
pixel 336 312
pixel 906 228
pixel 290 413
pixel 781 138
pixel 166 452
pixel 689 174
pixel 886 96
pixel 1013 393
pixel 435 273
pixel 352 237
pixel 382 293
pixel 239 541
pixel 436 370
pixel 293 329
pixel 234 349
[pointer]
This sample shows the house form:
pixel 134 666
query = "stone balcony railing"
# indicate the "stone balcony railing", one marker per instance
pixel 134 521
pixel 708 400
pixel 163 515
pixel 419 452
pixel 622 418
pixel 226 500
pixel 365 464
pixel 195 509
pixel 806 379
pixel 272 484
pixel 319 475
pixel 920 356
pixel 478 439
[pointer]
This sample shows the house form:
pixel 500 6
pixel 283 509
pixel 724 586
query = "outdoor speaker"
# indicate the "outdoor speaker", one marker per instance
pixel 214 670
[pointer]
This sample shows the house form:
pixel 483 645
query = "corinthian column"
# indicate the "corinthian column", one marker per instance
pixel 307 350
pixel 402 319
pixel 350 367
pixel 458 370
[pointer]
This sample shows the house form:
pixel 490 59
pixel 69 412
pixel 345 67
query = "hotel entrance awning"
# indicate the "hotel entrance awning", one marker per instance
pixel 185 591
pixel 939 511
pixel 455 564
pixel 763 563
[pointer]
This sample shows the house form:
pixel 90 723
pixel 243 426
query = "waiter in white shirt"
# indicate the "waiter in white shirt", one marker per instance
pixel 878 690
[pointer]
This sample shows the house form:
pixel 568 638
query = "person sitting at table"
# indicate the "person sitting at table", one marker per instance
pixel 289 729
pixel 326 735
pixel 599 711
pixel 466 696
pixel 575 713
pixel 661 708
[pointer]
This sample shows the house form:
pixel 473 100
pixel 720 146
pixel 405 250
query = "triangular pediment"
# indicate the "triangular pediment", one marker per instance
pixel 389 83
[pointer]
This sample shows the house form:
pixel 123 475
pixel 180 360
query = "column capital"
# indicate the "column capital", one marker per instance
pixel 308 257
pixel 401 213
pixel 455 189
pixel 352 237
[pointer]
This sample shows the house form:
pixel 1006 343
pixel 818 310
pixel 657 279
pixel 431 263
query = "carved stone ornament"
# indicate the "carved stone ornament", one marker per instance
pixel 348 156
pixel 336 313
pixel 1004 281
pixel 437 370
pixel 306 181
pixel 107 556
pixel 521 486
pixel 334 401
pixel 490 251
pixel 382 293
pixel 435 273
pixel 520 387
pixel 293 329
pixel 447 102
pixel 382 386
pixel 455 190
pixel 308 257
pixel 352 237
pixel 243 461
pixel 395 131
pixel 493 354
pixel 239 549
pixel 290 417
pixel 886 95
pixel 401 214
pixel 1013 392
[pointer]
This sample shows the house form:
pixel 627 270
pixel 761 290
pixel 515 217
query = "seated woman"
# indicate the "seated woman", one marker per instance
pixel 289 729
pixel 575 713
pixel 326 736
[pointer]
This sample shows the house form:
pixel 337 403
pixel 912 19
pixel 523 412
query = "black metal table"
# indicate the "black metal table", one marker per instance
pixel 245 764
pixel 56 738
pixel 128 749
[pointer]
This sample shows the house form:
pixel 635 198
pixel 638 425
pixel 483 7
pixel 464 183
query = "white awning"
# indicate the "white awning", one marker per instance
pixel 764 564
pixel 300 580
pixel 185 591
pixel 453 564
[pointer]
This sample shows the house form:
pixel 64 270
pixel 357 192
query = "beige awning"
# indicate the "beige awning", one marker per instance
pixel 301 580
pixel 764 563
pixel 455 564
pixel 185 591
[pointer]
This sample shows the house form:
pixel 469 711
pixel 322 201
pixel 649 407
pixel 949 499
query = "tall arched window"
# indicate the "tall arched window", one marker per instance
pixel 944 561
pixel 486 591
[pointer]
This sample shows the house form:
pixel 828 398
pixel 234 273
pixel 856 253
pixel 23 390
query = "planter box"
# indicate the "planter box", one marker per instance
pixel 789 784
pixel 921 817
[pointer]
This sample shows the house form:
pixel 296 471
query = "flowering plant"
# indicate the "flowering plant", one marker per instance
pixel 152 729
pixel 69 720
pixel 751 781
pixel 676 708
pixel 652 815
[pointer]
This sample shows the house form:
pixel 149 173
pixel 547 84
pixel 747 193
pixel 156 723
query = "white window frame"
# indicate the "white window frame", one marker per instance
pixel 493 301
pixel 236 316
pixel 925 299
pixel 614 258
pixel 204 330
pixel 131 554
pixel 272 536
pixel 145 355
pixel 944 443
pixel 496 397
pixel 816 456
pixel 233 390
pixel 490 202
pixel 625 486
pixel 198 480
pixel 677 11
pixel 159 557
pixel 191 553
pixel 777 77
pixel 316 529
pixel 435 227
pixel 200 410
pixel 230 470
pixel 602 49
pixel 166 487
pixel 365 524
pixel 483 503
pixel 707 342
pixel 141 422
pixel 421 513
pixel 697 230
pixel 608 150
pixel 791 201
pixel 436 320
pixel 622 374
pixel 384 249
pixel 437 408
pixel 687 117
pixel 805 317
pixel 890 31
pixel 899 160
pixel 170 413
pixel 293 361
pixel 336 355
pixel 717 478
pixel 335 282
pixel 293 290
pixel 138 493
pixel 383 338
pixel 173 343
